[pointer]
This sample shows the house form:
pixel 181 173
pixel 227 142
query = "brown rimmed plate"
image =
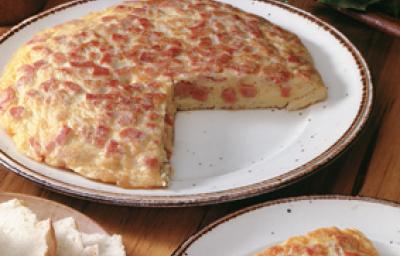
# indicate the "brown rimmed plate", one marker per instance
pixel 253 229
pixel 261 151
pixel 45 209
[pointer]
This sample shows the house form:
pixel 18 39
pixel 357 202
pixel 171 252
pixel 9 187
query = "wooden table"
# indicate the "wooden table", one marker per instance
pixel 370 167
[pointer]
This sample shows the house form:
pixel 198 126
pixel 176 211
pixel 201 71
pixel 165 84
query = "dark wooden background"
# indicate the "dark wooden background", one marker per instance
pixel 370 167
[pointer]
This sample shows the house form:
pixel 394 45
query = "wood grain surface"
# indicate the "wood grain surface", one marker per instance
pixel 376 19
pixel 370 167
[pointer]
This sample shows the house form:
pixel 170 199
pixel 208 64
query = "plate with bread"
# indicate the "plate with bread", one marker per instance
pixel 38 227
pixel 310 225
pixel 171 103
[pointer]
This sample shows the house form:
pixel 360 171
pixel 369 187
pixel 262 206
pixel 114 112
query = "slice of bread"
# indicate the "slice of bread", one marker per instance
pixel 21 234
pixel 92 250
pixel 69 239
pixel 107 245
pixel 71 242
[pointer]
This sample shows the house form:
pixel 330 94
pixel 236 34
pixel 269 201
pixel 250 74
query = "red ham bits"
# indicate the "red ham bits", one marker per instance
pixel 248 91
pixel 72 86
pixel 33 94
pixel 107 58
pixel 63 135
pixel 38 64
pixel 6 97
pixel 224 58
pixel 131 133
pixel 246 68
pixel 200 93
pixel 105 96
pixel 154 116
pixel 156 98
pixel 152 163
pixel 49 85
pixel 145 23
pixel 184 89
pixel 285 91
pixel 151 125
pixel 119 38
pixel 109 18
pixel 101 135
pixel 43 49
pixel 169 120
pixel 28 70
pixel 293 59
pixel 277 74
pixel 113 83
pixel 147 57
pixel 100 71
pixel 17 112
pixel 254 28
pixel 229 95
pixel 97 70
pixel 205 42
pixel 172 52
pixel 59 57
pixel 113 147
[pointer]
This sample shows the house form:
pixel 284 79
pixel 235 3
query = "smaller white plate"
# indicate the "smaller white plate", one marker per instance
pixel 250 230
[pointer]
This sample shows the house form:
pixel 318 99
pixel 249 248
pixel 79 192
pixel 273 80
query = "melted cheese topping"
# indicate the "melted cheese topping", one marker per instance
pixel 98 95
pixel 325 242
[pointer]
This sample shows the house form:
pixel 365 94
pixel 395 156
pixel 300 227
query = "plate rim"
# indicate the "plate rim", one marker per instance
pixel 265 186
pixel 22 196
pixel 185 245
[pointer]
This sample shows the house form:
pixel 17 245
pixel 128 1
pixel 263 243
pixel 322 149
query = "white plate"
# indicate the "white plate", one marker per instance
pixel 251 230
pixel 227 155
